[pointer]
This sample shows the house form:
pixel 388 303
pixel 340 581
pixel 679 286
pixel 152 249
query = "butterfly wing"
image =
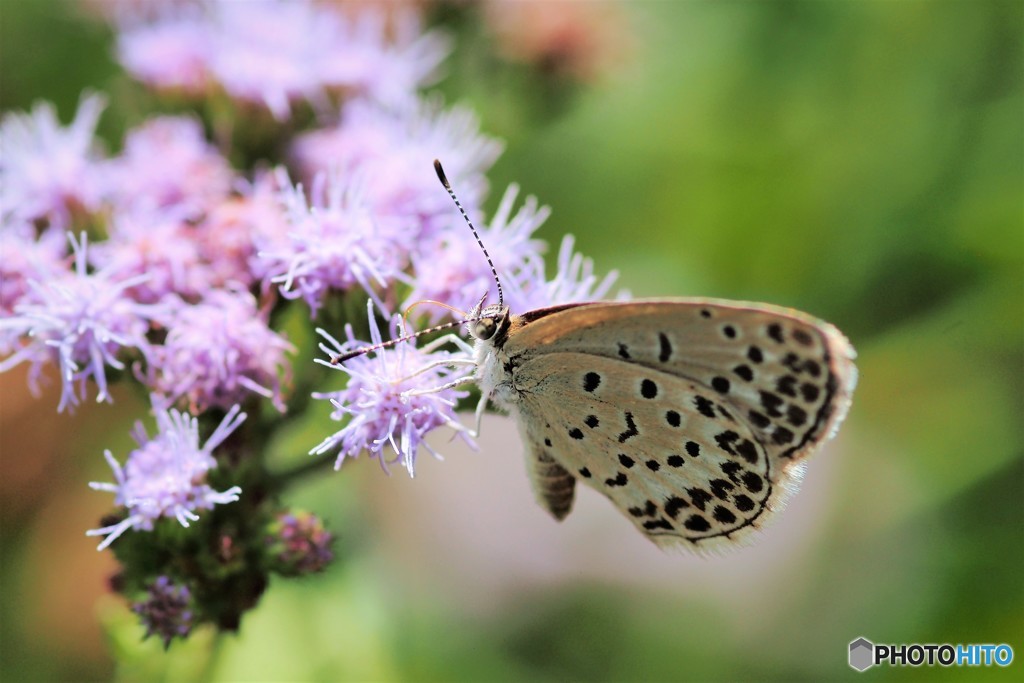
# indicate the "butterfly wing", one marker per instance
pixel 691 415
pixel 554 487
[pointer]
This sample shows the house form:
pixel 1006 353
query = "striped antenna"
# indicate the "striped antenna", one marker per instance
pixel 444 181
pixel 341 358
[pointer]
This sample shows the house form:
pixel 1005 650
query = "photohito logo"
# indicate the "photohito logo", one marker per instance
pixel 864 654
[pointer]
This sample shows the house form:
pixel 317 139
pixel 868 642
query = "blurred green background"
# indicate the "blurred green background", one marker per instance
pixel 863 161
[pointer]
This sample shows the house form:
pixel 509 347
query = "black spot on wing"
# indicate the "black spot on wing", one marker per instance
pixel 696 523
pixel 704 406
pixel 619 480
pixel 743 502
pixel 809 392
pixel 673 505
pixel 758 419
pixel 699 497
pixel 744 372
pixel 648 389
pixel 652 524
pixel 665 347
pixel 746 450
pixel 803 337
pixel 752 481
pixel 631 430
pixel 724 515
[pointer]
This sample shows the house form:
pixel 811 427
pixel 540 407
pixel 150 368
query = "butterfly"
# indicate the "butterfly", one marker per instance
pixel 694 417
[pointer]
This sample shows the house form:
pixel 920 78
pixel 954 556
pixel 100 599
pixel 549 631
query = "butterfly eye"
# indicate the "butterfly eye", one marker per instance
pixel 483 329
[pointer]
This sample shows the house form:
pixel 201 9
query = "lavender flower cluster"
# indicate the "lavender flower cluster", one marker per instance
pixel 166 267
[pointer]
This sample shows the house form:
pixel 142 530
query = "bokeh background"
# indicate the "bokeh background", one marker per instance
pixel 863 161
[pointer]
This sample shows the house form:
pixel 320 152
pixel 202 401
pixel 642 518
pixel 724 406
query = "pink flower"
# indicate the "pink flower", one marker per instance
pixel 165 477
pixel 218 352
pixel 26 258
pixel 335 243
pixel 161 248
pixel 167 163
pixel 278 52
pixel 452 269
pixel 394 396
pixel 235 229
pixel 82 321
pixel 392 151
pixel 47 171
pixel 169 54
pixel 574 282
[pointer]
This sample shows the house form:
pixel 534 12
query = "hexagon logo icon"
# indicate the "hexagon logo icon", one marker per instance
pixel 862 654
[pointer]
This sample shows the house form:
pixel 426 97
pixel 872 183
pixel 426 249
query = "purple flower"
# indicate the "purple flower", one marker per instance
pixel 80 320
pixel 392 150
pixel 167 611
pixel 384 61
pixel 231 231
pixel 165 477
pixel 158 249
pixel 334 243
pixel 273 52
pixel 217 353
pixel 166 163
pixel 574 282
pixel 451 268
pixel 27 257
pixel 278 52
pixel 48 171
pixel 171 53
pixel 394 396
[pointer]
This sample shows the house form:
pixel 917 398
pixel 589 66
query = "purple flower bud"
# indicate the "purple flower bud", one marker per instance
pixel 165 477
pixel 167 612
pixel 217 353
pixel 395 396
pixel 299 544
pixel 81 321
pixel 48 171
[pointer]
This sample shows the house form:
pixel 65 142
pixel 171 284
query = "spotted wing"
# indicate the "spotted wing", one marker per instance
pixel 753 388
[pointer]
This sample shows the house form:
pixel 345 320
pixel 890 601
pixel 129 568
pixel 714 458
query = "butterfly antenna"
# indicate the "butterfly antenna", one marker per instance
pixel 341 358
pixel 444 181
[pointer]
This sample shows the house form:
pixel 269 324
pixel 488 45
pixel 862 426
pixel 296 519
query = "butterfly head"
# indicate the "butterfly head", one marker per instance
pixel 490 324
